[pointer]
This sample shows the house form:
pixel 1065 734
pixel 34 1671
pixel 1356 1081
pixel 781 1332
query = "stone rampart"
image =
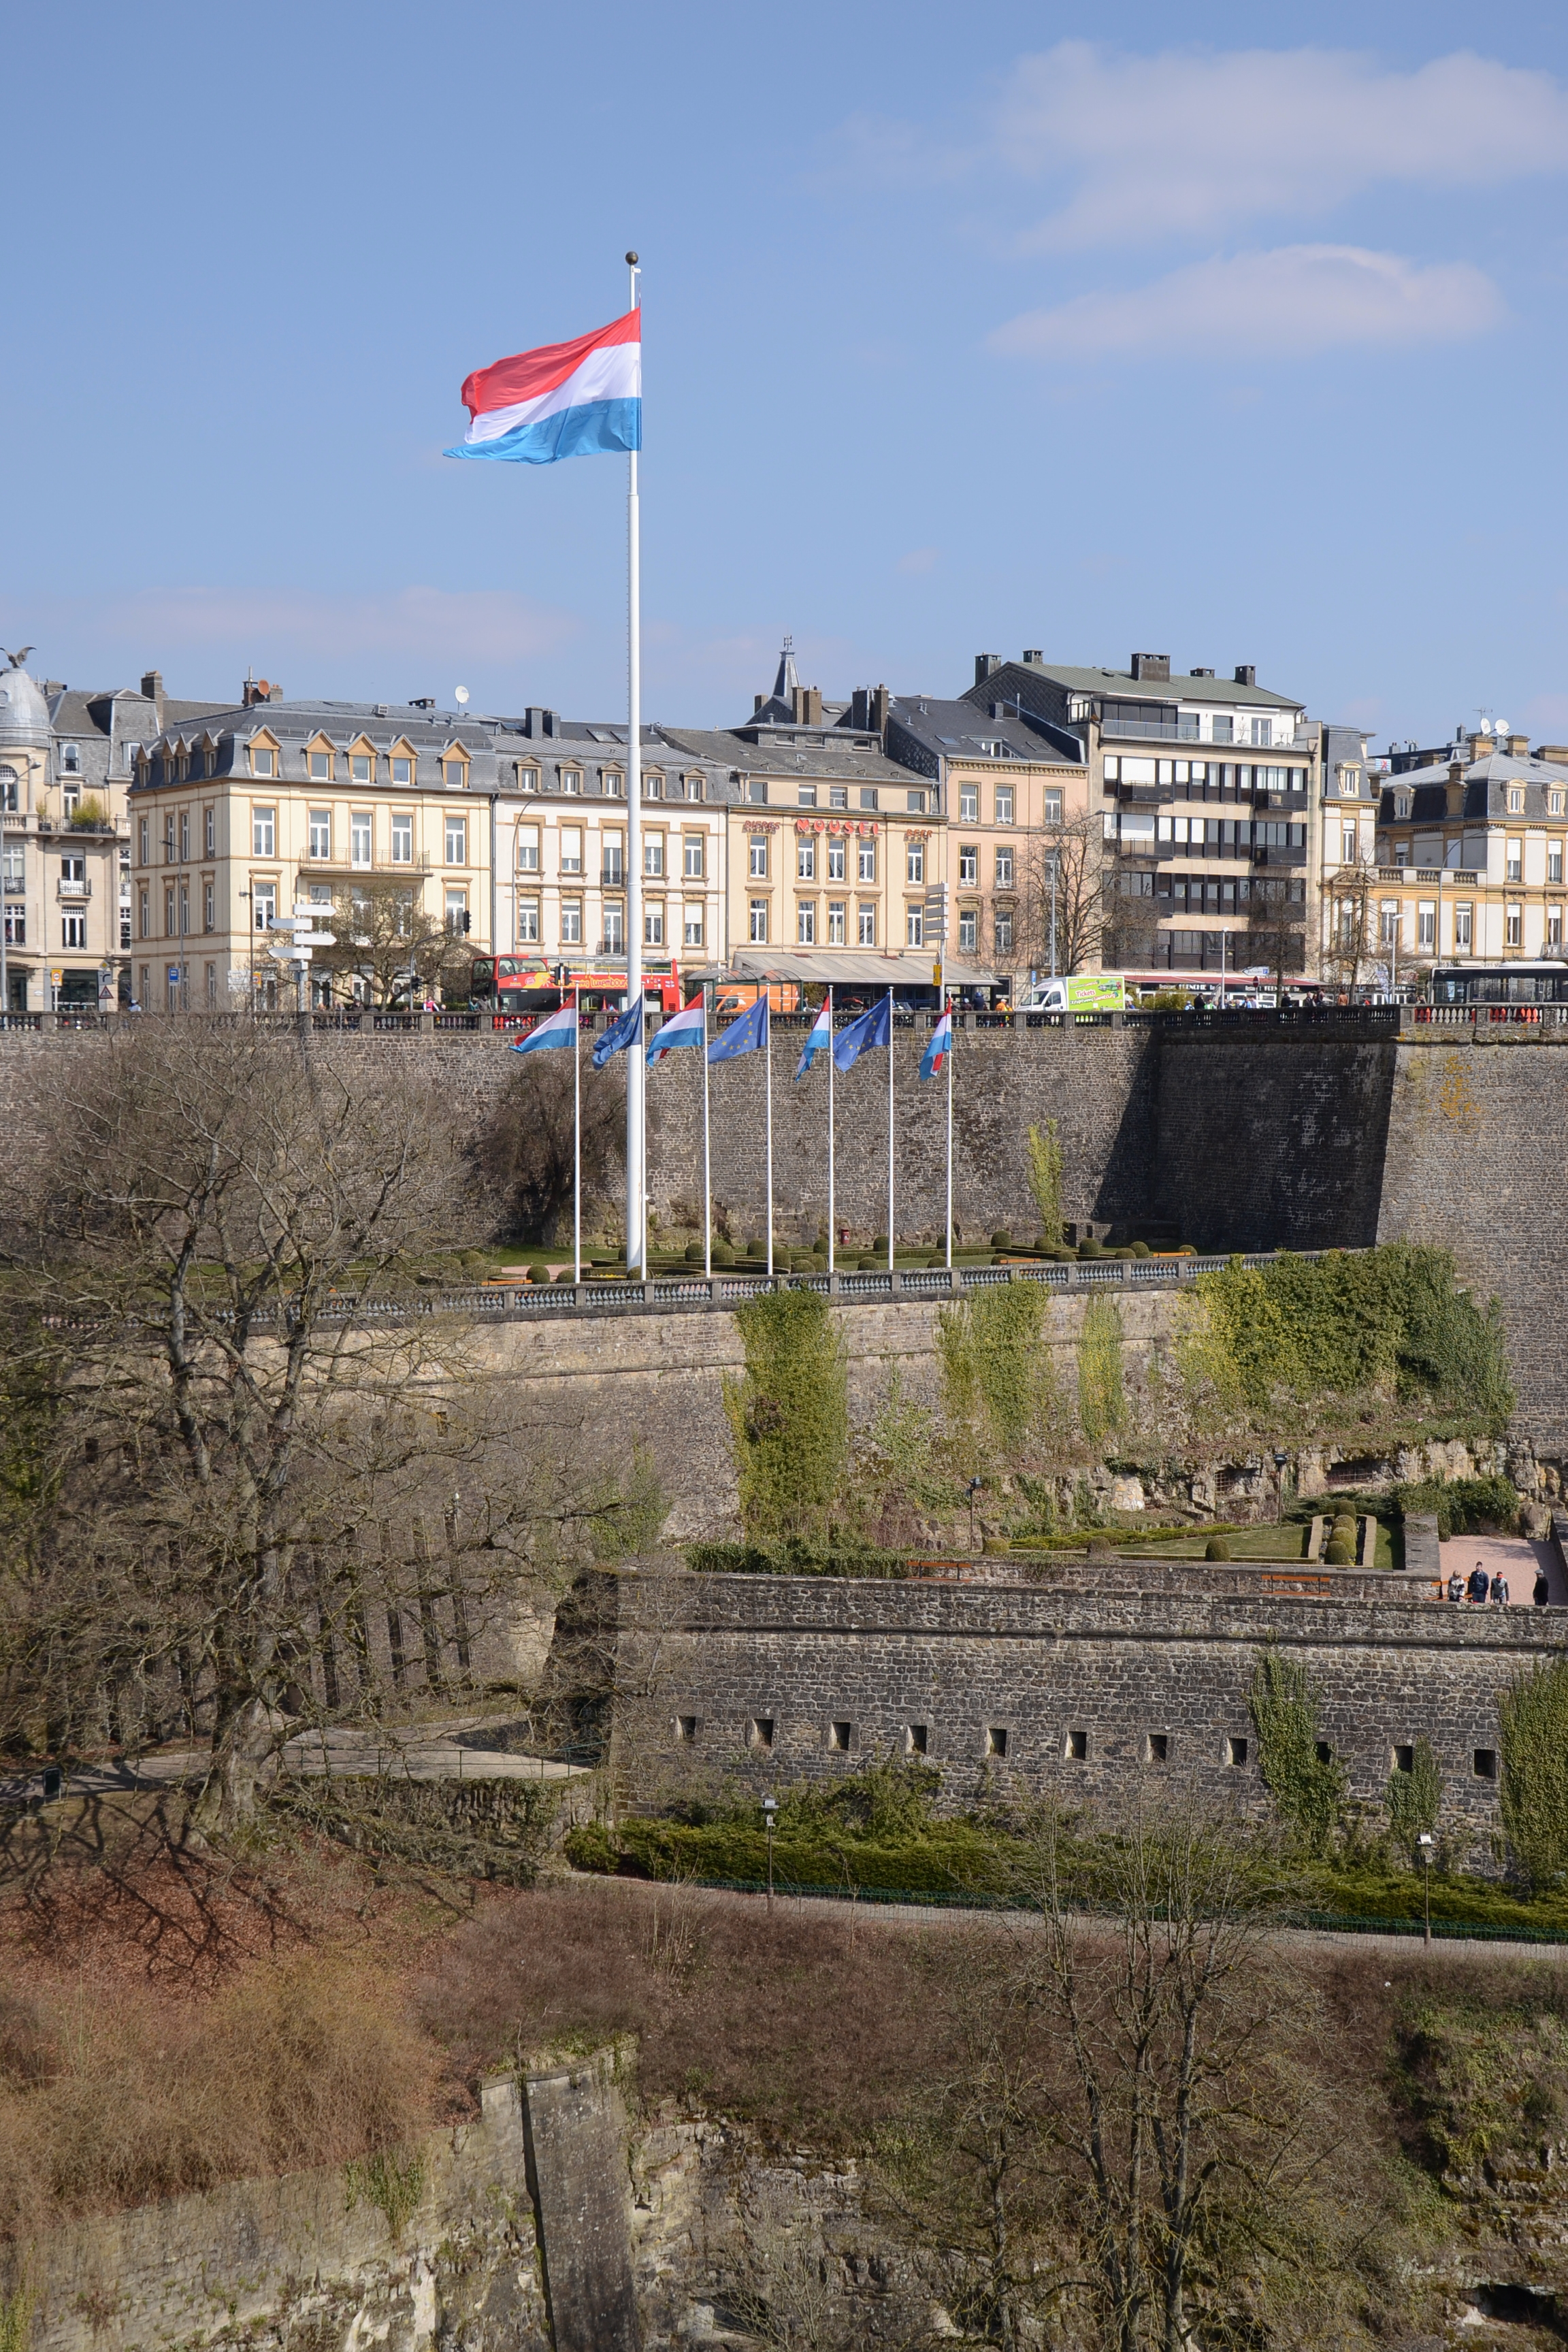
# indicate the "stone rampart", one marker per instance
pixel 1074 1694
pixel 1241 1138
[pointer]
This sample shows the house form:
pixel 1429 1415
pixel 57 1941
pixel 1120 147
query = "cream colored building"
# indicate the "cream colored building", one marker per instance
pixel 60 860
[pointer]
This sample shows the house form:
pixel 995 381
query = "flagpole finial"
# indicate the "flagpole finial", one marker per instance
pixel 632 260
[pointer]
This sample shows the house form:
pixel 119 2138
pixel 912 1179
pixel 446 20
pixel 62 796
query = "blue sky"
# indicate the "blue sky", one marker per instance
pixel 1238 335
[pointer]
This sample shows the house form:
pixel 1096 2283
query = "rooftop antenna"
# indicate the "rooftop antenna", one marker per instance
pixel 461 692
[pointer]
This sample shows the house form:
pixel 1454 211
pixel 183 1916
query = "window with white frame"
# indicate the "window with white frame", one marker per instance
pixel 612 853
pixel 915 804
pixel 1513 926
pixel 653 924
pixel 261 762
pixel 968 929
pixel 320 833
pixel 263 833
pixel 1347 845
pixel 528 922
pixel 360 768
pixel 209 906
pixel 456 839
pixel 70 758
pixel 1263 733
pixel 571 780
pixel 75 930
pixel 1425 926
pixel 805 796
pixel 1388 922
pixel 653 854
pixel 915 861
pixel 866 926
pixel 838 917
pixel 652 785
pixel 1515 861
pixel 402 771
pixel 615 929
pixel 837 858
pixel 570 922
pixel 1004 803
pixel 1004 866
pixel 456 912
pixel 869 797
pixel 1053 798
pixel 1554 803
pixel 969 866
pixel 209 831
pixel 144 844
pixel 455 775
pixel 866 864
pixel 759 914
pixel 758 868
pixel 527 849
pixel 692 926
pixel 1554 927
pixel 401 836
pixel 805 923
pixel 527 780
pixel 914 926
pixel 1464 925
pixel 571 849
pixel 691 864
pixel 1555 861
pixel 263 905
pixel 1516 800
pixel 1002 926
pixel 969 804
pixel 361 834
pixel 320 767
pixel 805 860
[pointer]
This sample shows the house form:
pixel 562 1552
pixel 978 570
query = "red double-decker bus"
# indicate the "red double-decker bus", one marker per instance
pixel 516 990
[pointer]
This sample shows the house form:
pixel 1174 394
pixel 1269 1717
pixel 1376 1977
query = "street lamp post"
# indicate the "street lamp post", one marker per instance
pixel 1425 1842
pixel 1280 1459
pixel 769 1814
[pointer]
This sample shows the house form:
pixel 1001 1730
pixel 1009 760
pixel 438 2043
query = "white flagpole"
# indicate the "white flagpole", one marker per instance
pixel 707 1162
pixel 576 1139
pixel 950 1036
pixel 768 1059
pixel 892 1237
pixel 636 1156
pixel 832 1207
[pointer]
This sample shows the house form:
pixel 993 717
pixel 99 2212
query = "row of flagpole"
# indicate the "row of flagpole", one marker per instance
pixel 750 1034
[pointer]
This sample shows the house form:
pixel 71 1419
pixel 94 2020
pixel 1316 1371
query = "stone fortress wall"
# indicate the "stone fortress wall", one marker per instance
pixel 1072 1691
pixel 1237 1136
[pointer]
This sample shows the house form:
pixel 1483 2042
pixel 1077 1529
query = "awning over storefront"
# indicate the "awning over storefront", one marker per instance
pixel 844 970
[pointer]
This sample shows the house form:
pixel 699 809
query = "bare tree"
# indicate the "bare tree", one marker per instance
pixel 1276 934
pixel 526 1148
pixel 1350 941
pixel 387 940
pixel 243 1450
pixel 1062 900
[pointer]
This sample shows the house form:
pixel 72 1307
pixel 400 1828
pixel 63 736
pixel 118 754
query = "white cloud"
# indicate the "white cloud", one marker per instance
pixel 1299 298
pixel 1190 144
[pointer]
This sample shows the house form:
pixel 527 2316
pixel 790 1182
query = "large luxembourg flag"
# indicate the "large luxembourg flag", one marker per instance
pixel 688 1028
pixel 560 1029
pixel 565 400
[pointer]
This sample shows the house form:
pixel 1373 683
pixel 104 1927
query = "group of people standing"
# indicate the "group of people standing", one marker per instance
pixel 1479 1587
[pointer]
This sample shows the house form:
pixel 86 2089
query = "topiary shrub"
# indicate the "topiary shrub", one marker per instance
pixel 723 1253
pixel 539 1271
pixel 880 1248
pixel 694 1255
pixel 1340 1554
pixel 1141 1249
pixel 566 1274
pixel 758 1247
pixel 590 1846
pixel 1217 1548
pixel 1001 1241
pixel 1091 1248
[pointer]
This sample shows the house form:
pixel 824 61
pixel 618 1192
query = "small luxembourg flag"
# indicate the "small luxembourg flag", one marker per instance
pixel 565 400
pixel 688 1028
pixel 939 1048
pixel 560 1029
pixel 820 1039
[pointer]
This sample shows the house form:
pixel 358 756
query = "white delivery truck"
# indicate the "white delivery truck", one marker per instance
pixel 1080 992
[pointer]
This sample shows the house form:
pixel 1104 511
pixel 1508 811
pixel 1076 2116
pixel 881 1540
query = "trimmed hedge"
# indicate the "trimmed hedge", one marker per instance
pixel 953 1858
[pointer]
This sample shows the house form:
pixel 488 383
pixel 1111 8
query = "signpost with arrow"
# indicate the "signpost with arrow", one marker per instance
pixel 294 943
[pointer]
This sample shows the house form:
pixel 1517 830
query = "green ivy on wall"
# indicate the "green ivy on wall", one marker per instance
pixel 1306 1782
pixel 1533 1713
pixel 1391 1319
pixel 1101 1396
pixel 1415 1798
pixel 789 1414
pixel 999 1385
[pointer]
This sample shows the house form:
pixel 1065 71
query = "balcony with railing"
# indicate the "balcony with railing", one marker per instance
pixel 74 891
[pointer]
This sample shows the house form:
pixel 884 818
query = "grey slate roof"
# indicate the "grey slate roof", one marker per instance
pixel 956 730
pixel 806 754
pixel 1123 686
pixel 1486 791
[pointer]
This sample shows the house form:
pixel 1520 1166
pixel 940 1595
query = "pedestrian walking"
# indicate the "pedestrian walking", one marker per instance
pixel 1543 1592
pixel 1480 1584
pixel 1456 1586
pixel 1499 1590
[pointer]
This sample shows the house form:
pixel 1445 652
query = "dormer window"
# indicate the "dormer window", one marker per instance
pixel 455 775
pixel 320 767
pixel 360 768
pixel 402 771
pixel 615 784
pixel 527 780
pixel 694 788
pixel 1516 800
pixel 1401 805
pixel 571 780
pixel 653 787
pixel 261 761
pixel 70 758
pixel 1554 804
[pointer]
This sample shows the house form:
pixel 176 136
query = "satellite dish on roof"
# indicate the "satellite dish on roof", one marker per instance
pixel 1499 727
pixel 462 693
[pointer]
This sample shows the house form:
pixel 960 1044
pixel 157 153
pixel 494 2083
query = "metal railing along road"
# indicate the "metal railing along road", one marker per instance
pixel 504 1301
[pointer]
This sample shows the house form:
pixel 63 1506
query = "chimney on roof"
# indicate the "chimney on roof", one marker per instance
pixel 153 688
pixel 1556 752
pixel 984 665
pixel 256 689
pixel 879 711
pixel 275 694
pixel 1455 802
pixel 757 702
pixel 808 706
pixel 1519 746
pixel 1246 674
pixel 537 721
pixel 1152 665
pixel 1035 657
pixel 1479 740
